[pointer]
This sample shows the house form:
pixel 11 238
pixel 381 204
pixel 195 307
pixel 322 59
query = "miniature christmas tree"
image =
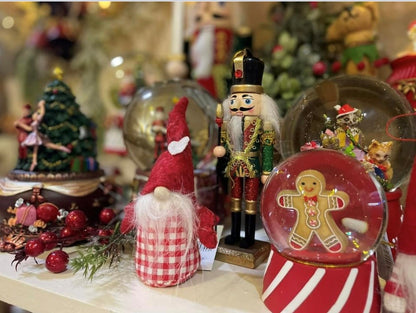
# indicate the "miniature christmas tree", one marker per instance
pixel 64 124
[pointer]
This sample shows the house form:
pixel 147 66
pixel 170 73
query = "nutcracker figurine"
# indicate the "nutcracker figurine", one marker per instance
pixel 211 46
pixel 248 134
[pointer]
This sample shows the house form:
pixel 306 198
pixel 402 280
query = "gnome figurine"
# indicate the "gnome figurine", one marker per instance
pixel 400 290
pixel 165 213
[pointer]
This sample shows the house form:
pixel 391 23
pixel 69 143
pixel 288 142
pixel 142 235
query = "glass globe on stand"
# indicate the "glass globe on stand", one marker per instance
pixel 139 133
pixel 378 102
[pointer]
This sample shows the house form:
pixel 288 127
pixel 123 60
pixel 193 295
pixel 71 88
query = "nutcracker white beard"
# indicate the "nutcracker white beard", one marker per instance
pixel 269 112
pixel 235 132
pixel 153 213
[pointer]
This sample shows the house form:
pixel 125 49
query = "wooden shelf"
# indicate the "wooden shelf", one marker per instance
pixel 227 288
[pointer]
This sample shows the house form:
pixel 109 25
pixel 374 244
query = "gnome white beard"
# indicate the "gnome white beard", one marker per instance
pixel 235 132
pixel 153 213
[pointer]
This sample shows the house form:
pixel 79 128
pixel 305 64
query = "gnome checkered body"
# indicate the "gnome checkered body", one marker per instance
pixel 166 258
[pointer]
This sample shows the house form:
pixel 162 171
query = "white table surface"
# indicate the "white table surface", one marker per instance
pixel 227 288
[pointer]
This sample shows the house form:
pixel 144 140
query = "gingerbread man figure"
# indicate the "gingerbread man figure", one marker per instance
pixel 313 204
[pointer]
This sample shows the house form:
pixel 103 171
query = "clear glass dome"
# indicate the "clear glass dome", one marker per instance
pixel 200 117
pixel 378 102
pixel 350 209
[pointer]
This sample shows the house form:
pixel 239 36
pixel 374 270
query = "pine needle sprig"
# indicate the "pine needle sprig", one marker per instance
pixel 102 251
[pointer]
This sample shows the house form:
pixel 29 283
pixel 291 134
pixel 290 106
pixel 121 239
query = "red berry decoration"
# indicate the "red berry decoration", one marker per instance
pixel 319 68
pixel 50 239
pixel 47 212
pixel 57 261
pixel 104 234
pixel 76 220
pixel 34 247
pixel 336 66
pixel 67 232
pixel 107 215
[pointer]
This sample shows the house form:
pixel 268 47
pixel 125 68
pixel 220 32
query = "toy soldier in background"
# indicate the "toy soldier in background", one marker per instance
pixel 159 129
pixel 248 134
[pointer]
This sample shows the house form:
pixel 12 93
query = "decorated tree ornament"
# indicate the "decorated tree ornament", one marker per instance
pixel 57 261
pixel 325 217
pixel 165 212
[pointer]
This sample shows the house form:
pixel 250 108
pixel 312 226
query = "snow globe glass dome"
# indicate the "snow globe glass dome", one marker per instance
pixel 141 114
pixel 378 102
pixel 320 207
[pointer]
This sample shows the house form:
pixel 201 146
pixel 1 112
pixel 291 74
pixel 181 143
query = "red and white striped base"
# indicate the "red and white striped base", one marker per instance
pixel 294 287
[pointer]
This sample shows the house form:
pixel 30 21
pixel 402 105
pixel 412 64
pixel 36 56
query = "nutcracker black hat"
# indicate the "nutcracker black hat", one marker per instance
pixel 247 72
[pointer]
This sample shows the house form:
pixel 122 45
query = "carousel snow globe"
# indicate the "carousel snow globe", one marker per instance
pixel 56 173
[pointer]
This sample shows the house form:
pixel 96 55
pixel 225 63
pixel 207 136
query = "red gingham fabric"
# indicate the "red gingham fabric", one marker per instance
pixel 162 261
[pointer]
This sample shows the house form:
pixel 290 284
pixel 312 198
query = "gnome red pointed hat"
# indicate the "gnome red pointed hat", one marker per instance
pixel 173 169
pixel 407 235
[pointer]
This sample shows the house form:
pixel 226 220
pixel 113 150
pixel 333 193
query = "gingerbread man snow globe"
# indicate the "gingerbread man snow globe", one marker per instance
pixel 325 217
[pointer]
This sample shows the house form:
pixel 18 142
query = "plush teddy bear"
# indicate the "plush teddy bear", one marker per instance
pixel 355 27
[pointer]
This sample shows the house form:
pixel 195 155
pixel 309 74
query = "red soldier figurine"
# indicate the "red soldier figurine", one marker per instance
pixel 211 47
pixel 159 128
pixel 248 133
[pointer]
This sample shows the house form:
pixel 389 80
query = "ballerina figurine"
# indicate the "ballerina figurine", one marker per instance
pixel 36 139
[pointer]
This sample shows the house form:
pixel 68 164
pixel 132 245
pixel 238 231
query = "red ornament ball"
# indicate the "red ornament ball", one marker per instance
pixel 57 261
pixel 34 247
pixel 107 215
pixel 335 67
pixel 319 68
pixel 47 212
pixel 76 220
pixel 50 239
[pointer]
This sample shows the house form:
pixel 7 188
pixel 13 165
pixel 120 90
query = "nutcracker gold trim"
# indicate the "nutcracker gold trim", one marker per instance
pixel 247 88
pixel 238 60
pixel 251 207
pixel 235 205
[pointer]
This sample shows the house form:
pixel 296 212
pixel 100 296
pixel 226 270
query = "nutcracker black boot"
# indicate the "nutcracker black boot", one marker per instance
pixel 250 224
pixel 234 237
pixel 250 229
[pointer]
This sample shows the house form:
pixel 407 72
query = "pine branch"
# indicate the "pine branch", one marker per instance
pixel 101 253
